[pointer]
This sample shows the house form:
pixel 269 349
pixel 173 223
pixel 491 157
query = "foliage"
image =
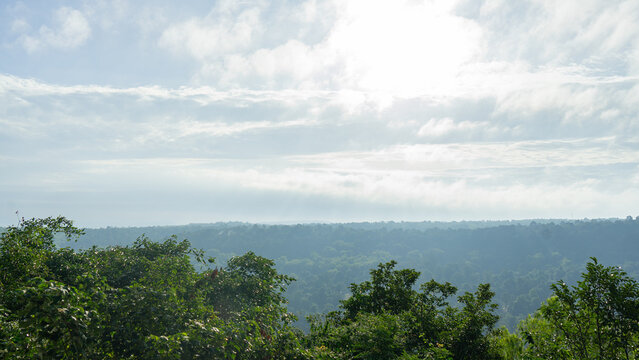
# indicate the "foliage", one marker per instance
pixel 248 281
pixel 25 248
pixel 520 259
pixel 385 318
pixel 388 291
pixel 147 301
pixel 143 301
pixel 596 319
pixel 508 345
pixel 52 320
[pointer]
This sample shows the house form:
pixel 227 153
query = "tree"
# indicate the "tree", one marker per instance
pixel 247 281
pixel 143 301
pixel 508 345
pixel 24 249
pixel 388 291
pixel 596 319
pixel 467 338
pixel 385 318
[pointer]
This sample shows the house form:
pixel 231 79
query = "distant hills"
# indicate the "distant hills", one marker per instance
pixel 519 258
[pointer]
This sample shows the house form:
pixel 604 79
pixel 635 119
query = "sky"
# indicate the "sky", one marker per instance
pixel 131 113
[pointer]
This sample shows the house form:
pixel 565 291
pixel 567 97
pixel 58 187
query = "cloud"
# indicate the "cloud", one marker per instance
pixel 527 57
pixel 20 26
pixel 112 14
pixel 97 120
pixel 268 66
pixel 436 128
pixel 549 33
pixel 69 30
pixel 374 46
pixel 580 178
pixel 211 37
pixel 458 108
pixel 174 147
pixel 482 156
pixel 340 118
pixel 407 48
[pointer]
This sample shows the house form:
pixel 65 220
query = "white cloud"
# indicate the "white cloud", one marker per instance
pixel 212 37
pixel 501 180
pixel 290 65
pixel 604 27
pixel 599 109
pixel 398 47
pixel 455 177
pixel 529 57
pixel 186 128
pixel 111 14
pixel 481 156
pixel 69 30
pixel 507 107
pixel 132 141
pixel 435 128
pixel 20 26
pixel 351 101
pixel 560 33
pixel 407 48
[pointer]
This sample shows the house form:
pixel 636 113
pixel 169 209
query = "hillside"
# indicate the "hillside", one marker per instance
pixel 519 259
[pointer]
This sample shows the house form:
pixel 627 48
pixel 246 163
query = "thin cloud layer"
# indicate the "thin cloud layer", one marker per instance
pixel 68 29
pixel 319 110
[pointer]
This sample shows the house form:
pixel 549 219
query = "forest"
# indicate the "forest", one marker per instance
pixel 520 259
pixel 507 290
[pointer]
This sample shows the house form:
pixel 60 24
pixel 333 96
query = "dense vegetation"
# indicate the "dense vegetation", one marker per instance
pixel 520 259
pixel 143 301
pixel 165 300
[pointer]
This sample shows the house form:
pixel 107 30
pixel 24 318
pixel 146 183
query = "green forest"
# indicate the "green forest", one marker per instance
pixel 520 259
pixel 470 290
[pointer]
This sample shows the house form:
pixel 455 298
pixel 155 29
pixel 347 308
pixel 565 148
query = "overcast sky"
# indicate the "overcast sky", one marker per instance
pixel 166 112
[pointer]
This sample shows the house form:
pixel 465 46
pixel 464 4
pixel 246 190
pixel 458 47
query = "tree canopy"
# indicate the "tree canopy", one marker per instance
pixel 165 300
pixel 144 301
pixel 598 318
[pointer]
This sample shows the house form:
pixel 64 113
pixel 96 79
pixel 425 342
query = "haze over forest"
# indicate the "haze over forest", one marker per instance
pixel 520 259
pixel 131 113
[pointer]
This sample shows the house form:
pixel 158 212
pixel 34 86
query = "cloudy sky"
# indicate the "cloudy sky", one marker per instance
pixel 155 112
